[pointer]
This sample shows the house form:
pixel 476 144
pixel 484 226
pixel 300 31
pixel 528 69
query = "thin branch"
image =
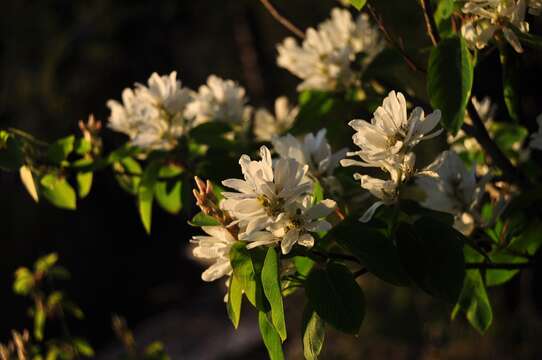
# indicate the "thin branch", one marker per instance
pixel 392 41
pixel 282 20
pixel 430 25
pixel 501 266
pixel 335 256
pixel 360 273
pixel 479 132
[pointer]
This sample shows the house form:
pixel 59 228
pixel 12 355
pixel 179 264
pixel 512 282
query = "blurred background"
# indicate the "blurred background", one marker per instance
pixel 62 60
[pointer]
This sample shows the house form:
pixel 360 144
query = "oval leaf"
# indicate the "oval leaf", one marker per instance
pixel 271 289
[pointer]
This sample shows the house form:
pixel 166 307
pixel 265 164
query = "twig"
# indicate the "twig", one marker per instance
pixel 336 256
pixel 501 266
pixel 360 273
pixel 479 132
pixel 392 41
pixel 282 20
pixel 430 25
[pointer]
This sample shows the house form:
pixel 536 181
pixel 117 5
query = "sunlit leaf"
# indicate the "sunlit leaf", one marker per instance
pixel 271 289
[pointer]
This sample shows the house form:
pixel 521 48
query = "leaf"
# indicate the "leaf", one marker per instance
pixel 314 333
pixel 271 289
pixel 511 81
pixel 58 191
pixel 336 297
pixel 499 277
pixel 443 12
pixel 303 265
pixel 39 322
pixel 11 153
pixel 46 263
pixel 129 181
pixel 28 181
pixel 24 281
pixel 246 273
pixel 358 4
pixel 145 194
pixel 84 183
pixel 201 219
pixel 317 192
pixel 235 297
pixel 375 250
pixel 83 347
pixel 59 150
pixel 474 302
pixel 212 134
pixel 449 80
pixel 270 337
pixel 82 146
pixel 432 254
pixel 169 195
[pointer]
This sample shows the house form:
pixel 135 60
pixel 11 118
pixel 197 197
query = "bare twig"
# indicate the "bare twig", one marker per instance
pixel 479 132
pixel 360 272
pixel 392 41
pixel 430 25
pixel 282 20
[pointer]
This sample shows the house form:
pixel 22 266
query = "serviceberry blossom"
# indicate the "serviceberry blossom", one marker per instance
pixel 536 138
pixel 450 187
pixel 314 151
pixel 267 189
pixel 391 131
pixel 219 100
pixel 486 17
pixel 153 116
pixel 295 225
pixel 214 247
pixel 325 60
pixel 267 125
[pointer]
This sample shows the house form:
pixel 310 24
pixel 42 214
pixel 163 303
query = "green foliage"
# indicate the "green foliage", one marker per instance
pixel 511 81
pixel 246 271
pixel 201 219
pixel 270 336
pixel 59 150
pixel 358 4
pixel 235 298
pixel 56 189
pixel 336 297
pixel 11 152
pixel 449 81
pixel 432 254
pixel 271 289
pixel 314 333
pixel 145 194
pixel 474 302
pixel 84 183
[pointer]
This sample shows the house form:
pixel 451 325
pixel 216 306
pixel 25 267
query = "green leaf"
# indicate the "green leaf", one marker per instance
pixel 511 81
pixel 169 195
pixel 358 4
pixel 271 289
pixel 246 272
pixel 83 347
pixel 201 219
pixel 84 183
pixel 474 302
pixel 24 281
pixel 270 337
pixel 336 297
pixel 59 150
pixel 314 333
pixel 58 191
pixel 212 134
pixel 128 171
pixel 82 146
pixel 39 322
pixel 46 263
pixel 235 297
pixel 375 250
pixel 432 254
pixel 529 240
pixel 27 178
pixel 443 12
pixel 449 80
pixel 11 153
pixel 303 265
pixel 499 277
pixel 145 194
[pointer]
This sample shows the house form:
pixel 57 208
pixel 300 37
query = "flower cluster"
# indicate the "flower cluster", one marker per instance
pixel 157 115
pixel 487 17
pixel 267 125
pixel 326 59
pixel 386 143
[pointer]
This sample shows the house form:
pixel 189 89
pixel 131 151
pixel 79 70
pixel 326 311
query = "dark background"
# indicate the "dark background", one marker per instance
pixel 62 60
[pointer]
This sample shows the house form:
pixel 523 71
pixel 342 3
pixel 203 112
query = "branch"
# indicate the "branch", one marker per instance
pixel 392 41
pixel 282 20
pixel 479 132
pixel 430 25
pixel 360 273
pixel 502 266
pixel 336 256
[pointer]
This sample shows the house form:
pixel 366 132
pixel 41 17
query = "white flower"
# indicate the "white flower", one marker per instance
pixel 220 100
pixel 314 151
pixel 266 126
pixel 266 190
pixel 489 16
pixel 325 59
pixel 391 131
pixel 536 139
pixel 295 225
pixel 216 248
pixel 400 169
pixel 450 187
pixel 152 116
